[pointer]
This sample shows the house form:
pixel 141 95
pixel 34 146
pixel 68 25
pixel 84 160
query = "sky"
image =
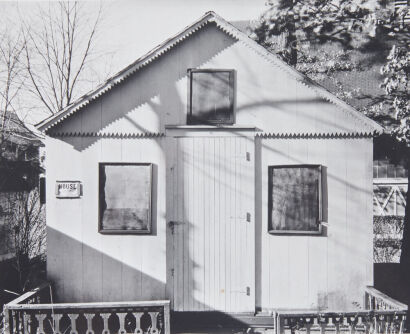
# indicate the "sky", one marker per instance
pixel 130 28
pixel 134 27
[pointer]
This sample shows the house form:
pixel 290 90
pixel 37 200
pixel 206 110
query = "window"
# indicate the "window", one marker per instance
pixel 210 97
pixel 295 199
pixel 125 198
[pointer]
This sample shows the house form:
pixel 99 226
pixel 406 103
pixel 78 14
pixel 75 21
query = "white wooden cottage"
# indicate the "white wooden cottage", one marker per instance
pixel 212 174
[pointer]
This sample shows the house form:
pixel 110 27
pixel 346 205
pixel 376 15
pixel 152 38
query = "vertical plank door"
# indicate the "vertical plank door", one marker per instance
pixel 211 223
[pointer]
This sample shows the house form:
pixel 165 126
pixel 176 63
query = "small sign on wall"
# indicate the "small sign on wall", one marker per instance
pixel 68 189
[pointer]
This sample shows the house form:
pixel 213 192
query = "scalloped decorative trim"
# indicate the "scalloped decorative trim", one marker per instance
pixel 108 135
pixel 333 135
pixel 265 135
pixel 301 78
pixel 368 124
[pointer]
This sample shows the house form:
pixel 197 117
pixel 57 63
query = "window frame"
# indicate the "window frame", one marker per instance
pixel 320 203
pixel 190 120
pixel 119 231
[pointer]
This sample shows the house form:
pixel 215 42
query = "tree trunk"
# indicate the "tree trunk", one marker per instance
pixel 287 41
pixel 405 247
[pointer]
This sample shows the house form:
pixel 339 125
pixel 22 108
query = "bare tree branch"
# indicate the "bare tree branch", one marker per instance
pixel 11 47
pixel 58 52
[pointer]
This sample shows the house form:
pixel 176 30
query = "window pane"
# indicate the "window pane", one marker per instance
pixel 294 198
pixel 211 97
pixel 125 197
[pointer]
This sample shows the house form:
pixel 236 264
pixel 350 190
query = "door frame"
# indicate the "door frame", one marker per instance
pixel 172 223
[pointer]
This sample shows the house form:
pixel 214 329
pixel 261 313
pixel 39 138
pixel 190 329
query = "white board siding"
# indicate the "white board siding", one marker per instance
pixel 85 268
pixel 318 259
pixel 213 253
pixel 86 265
pixel 63 218
pixel 92 258
pixel 267 97
pixel 297 271
pixel 359 209
pixel 319 268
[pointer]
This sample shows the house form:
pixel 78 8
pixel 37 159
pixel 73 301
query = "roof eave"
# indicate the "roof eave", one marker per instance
pixel 121 75
pixel 169 43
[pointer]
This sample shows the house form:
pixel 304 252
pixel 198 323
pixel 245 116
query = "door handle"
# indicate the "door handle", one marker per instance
pixel 173 223
pixel 246 291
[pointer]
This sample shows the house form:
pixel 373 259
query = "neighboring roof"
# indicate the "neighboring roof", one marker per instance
pixel 16 131
pixel 370 125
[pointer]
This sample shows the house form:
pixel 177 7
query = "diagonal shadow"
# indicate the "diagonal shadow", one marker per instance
pixel 110 278
pixel 94 273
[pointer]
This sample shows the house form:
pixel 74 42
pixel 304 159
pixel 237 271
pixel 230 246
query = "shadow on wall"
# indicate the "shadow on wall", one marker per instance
pixel 156 87
pixel 113 280
pixel 86 264
pixel 154 91
pixel 89 274
pixel 86 274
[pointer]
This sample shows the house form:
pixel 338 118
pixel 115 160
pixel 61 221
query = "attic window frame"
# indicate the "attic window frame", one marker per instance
pixel 196 121
pixel 320 201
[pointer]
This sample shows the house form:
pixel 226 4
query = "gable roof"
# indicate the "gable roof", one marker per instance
pixel 369 126
pixel 15 131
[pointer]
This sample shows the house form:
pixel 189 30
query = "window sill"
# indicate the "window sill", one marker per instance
pixel 124 232
pixel 208 130
pixel 321 232
pixel 211 127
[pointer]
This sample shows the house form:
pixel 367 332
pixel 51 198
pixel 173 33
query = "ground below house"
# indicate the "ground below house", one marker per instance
pixel 220 323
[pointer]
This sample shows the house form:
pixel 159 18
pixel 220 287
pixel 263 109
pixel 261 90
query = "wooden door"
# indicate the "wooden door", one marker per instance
pixel 211 224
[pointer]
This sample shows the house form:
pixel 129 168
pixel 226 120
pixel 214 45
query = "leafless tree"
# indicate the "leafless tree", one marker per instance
pixel 58 51
pixel 26 229
pixel 50 56
pixel 11 48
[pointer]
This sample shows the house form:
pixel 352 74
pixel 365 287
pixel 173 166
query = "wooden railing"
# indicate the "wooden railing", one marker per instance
pixel 23 316
pixel 375 301
pixel 382 314
pixel 41 294
pixel 349 322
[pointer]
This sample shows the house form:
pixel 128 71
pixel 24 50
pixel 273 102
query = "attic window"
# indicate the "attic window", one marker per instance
pixel 295 199
pixel 210 97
